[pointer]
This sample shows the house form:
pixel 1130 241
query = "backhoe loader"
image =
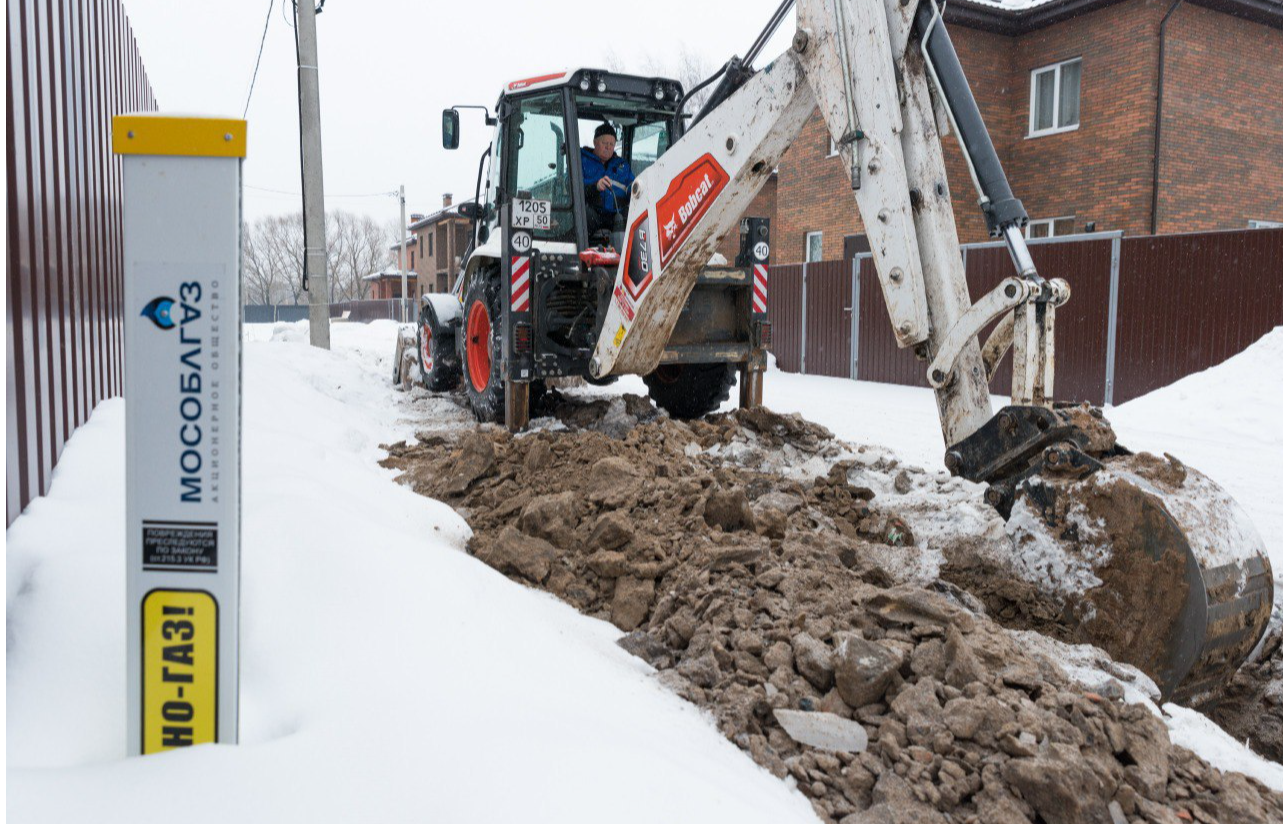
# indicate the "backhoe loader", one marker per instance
pixel 1156 563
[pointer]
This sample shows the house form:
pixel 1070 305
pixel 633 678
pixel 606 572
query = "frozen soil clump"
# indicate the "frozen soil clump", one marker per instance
pixel 790 584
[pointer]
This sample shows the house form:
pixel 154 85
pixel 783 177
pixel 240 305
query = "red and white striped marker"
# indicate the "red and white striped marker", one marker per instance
pixel 759 287
pixel 520 283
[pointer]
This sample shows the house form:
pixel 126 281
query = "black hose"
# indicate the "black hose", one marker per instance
pixel 744 68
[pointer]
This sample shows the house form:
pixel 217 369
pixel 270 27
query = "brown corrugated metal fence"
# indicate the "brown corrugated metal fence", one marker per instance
pixel 1187 302
pixel 828 318
pixel 73 64
pixel 784 310
pixel 1183 303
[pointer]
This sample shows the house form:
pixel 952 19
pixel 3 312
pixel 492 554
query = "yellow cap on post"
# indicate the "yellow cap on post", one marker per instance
pixel 158 134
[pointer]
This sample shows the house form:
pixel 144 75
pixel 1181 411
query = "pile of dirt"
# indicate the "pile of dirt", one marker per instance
pixel 1251 707
pixel 790 584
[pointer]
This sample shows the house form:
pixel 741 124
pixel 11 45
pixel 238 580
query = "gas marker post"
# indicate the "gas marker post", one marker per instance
pixel 182 320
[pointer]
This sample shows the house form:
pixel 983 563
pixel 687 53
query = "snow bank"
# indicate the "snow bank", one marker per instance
pixel 387 675
pixel 1227 422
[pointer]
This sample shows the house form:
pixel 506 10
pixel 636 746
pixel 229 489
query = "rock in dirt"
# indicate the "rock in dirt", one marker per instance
pixel 1060 788
pixel 645 646
pixel 823 730
pixel 631 602
pixel 728 510
pixel 814 660
pixel 513 552
pixel 863 670
pixel 476 460
pixel 612 480
pixel 553 517
pixel 612 530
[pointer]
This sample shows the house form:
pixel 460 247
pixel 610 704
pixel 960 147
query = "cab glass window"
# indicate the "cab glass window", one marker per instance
pixel 538 146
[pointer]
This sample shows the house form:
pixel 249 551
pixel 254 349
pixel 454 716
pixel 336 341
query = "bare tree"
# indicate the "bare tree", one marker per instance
pixel 690 68
pixel 356 245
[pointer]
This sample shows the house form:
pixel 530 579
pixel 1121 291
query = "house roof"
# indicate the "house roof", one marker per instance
pixel 1019 16
pixel 440 214
pixel 389 271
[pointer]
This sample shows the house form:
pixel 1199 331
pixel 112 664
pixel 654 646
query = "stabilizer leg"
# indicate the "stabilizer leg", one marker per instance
pixel 750 387
pixel 516 406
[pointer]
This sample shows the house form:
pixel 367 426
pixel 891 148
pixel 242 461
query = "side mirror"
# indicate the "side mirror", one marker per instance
pixel 450 129
pixel 470 210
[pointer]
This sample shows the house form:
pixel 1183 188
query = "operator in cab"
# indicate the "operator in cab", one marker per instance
pixel 607 180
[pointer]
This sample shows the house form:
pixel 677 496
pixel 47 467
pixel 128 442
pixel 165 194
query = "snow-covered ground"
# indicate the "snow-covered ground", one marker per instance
pixel 389 676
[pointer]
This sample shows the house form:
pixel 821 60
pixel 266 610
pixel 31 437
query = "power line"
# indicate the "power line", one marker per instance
pixel 271 4
pixel 327 197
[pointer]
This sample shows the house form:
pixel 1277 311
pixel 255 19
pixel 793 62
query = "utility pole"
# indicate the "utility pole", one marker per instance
pixel 309 119
pixel 401 258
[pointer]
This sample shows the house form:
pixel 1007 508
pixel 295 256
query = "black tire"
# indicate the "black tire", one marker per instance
pixel 438 361
pixel 691 390
pixel 481 359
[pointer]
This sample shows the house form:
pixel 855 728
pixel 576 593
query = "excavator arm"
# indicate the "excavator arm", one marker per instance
pixel 1168 574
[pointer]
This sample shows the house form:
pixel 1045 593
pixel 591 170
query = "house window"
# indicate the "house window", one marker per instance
pixel 1054 93
pixel 411 258
pixel 814 246
pixel 430 234
pixel 1264 224
pixel 833 147
pixel 1050 227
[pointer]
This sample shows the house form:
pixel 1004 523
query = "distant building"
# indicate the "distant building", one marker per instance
pixel 386 283
pixel 434 249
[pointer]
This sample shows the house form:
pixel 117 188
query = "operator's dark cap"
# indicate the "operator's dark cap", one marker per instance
pixel 605 128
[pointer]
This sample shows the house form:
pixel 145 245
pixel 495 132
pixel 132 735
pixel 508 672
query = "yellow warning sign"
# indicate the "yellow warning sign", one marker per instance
pixel 180 669
pixel 619 336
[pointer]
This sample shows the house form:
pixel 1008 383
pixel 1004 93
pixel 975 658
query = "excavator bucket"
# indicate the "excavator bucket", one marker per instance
pixel 1151 561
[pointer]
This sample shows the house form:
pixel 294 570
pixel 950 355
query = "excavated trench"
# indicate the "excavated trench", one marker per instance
pixel 803 589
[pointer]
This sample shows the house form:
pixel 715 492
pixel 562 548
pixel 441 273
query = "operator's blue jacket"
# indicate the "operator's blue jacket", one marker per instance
pixel 617 169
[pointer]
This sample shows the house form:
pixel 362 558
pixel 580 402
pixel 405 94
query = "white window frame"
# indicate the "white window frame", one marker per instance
pixel 1055 98
pixel 1265 224
pixel 806 252
pixel 833 147
pixel 1049 222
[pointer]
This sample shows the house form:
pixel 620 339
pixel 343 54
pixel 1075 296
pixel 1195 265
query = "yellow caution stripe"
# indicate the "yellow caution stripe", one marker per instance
pixel 158 134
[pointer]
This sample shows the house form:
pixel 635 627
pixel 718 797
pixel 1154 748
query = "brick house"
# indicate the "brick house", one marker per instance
pixel 1070 91
pixel 386 283
pixel 433 252
pixel 442 237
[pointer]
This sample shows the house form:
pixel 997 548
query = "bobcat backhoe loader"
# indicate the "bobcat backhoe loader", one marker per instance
pixel 1141 556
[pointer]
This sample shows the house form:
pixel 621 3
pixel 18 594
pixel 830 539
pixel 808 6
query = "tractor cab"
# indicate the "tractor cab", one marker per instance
pixel 534 161
pixel 529 303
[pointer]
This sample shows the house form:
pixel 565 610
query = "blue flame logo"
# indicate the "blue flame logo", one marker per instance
pixel 159 312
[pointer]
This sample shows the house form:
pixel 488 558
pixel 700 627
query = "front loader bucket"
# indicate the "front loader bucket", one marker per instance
pixel 1154 563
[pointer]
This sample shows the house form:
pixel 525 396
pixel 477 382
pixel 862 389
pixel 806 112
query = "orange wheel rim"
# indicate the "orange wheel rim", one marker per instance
pixel 479 346
pixel 427 347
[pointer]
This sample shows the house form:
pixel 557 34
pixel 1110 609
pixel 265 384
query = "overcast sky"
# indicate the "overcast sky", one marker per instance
pixel 388 68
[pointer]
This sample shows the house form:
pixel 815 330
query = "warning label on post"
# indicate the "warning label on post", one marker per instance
pixel 180 546
pixel 180 669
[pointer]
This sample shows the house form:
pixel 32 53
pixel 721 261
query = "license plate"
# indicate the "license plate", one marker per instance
pixel 531 214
